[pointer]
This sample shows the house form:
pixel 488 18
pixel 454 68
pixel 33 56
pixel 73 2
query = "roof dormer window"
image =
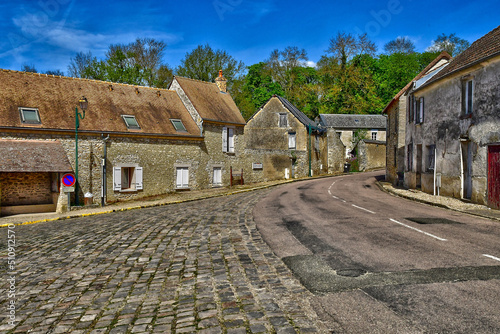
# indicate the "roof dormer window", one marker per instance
pixel 178 125
pixel 131 122
pixel 29 115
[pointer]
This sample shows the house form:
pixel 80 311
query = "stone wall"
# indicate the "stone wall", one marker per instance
pixel 371 155
pixel 445 127
pixel 25 188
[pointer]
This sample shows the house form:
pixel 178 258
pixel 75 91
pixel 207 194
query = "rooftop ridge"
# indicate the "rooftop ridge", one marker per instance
pixel 84 79
pixel 195 80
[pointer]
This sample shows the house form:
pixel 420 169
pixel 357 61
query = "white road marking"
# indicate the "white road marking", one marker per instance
pixel 362 208
pixel 492 257
pixel 416 229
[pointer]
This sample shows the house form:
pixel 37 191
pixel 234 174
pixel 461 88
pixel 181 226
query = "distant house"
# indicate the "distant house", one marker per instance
pixel 284 142
pixel 135 134
pixel 453 126
pixel 396 111
pixel 364 135
pixel 220 123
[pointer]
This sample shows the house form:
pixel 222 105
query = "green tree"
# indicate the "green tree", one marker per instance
pixel 137 63
pixel 451 43
pixel 29 68
pixel 203 63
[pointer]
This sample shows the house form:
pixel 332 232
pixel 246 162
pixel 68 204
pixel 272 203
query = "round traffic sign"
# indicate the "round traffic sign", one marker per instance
pixel 68 180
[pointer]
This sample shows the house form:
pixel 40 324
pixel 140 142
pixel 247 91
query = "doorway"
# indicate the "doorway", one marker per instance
pixel 467 169
pixel 494 176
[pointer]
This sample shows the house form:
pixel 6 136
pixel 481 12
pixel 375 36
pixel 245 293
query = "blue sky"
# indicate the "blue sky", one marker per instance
pixel 47 33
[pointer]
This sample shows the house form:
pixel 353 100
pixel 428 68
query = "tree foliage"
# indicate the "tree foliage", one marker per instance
pixel 451 43
pixel 399 45
pixel 203 63
pixel 137 63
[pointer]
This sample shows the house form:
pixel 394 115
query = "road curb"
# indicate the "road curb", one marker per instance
pixel 389 191
pixel 235 192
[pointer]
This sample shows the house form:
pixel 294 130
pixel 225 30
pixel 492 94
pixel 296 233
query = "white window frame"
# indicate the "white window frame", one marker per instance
pixel 23 118
pixel 132 127
pixel 135 181
pixel 228 139
pixel 419 115
pixel 181 177
pixel 292 140
pixel 374 134
pixel 178 122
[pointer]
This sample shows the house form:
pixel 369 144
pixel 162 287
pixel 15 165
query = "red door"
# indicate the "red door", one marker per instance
pixel 494 176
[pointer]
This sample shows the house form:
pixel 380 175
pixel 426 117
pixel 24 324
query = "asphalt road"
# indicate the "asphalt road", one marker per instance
pixel 381 264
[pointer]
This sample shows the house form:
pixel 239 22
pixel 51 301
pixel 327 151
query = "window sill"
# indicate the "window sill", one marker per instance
pixel 128 190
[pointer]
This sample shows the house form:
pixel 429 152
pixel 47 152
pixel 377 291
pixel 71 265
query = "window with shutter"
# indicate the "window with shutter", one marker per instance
pixel 224 139
pixel 117 178
pixel 182 177
pixel 467 97
pixel 138 178
pixel 217 176
pixel 421 117
pixel 283 122
pixel 292 143
pixel 230 140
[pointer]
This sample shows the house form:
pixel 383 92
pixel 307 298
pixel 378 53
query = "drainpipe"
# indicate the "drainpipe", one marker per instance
pixel 103 186
pixel 435 172
pixel 310 169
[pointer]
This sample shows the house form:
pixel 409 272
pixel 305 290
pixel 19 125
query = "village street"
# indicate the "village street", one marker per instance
pixel 203 266
pixel 382 264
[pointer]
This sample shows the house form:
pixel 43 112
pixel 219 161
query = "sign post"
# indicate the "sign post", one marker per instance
pixel 68 181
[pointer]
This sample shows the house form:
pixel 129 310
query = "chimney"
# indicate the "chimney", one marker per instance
pixel 221 82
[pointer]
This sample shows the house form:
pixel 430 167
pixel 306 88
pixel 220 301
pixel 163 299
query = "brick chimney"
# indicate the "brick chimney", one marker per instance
pixel 221 82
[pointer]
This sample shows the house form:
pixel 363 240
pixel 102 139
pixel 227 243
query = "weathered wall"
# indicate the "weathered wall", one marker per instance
pixel 395 149
pixel 446 127
pixel 371 155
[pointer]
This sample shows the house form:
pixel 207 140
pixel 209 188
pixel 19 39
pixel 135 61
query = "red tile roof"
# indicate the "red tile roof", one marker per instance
pixel 56 98
pixel 210 102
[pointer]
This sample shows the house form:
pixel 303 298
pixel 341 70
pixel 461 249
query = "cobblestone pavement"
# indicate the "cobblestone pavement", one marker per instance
pixel 192 267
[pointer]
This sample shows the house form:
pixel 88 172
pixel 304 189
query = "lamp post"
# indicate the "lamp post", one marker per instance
pixel 83 105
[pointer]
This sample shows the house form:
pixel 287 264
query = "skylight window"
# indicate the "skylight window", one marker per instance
pixel 30 115
pixel 178 125
pixel 131 122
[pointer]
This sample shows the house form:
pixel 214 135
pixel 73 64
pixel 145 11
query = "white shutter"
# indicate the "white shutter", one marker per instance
pixel 185 177
pixel 179 178
pixel 224 139
pixel 138 178
pixel 231 140
pixel 291 140
pixel 117 178
pixel 217 176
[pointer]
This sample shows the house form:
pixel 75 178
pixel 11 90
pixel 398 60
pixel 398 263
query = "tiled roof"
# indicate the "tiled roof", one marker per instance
pixel 443 55
pixel 56 98
pixel 484 48
pixel 347 121
pixel 33 156
pixel 210 102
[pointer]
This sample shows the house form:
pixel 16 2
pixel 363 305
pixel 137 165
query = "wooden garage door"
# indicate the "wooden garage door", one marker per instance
pixel 494 176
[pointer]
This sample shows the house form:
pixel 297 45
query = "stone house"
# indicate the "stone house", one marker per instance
pixel 396 111
pixel 138 135
pixel 282 142
pixel 361 135
pixel 452 130
pixel 220 123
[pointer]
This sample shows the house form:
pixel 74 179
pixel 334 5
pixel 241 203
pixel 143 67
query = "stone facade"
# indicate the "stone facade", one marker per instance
pixel 451 144
pixel 371 155
pixel 268 141
pixel 395 150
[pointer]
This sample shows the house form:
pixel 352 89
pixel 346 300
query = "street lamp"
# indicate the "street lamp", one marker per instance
pixel 83 105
